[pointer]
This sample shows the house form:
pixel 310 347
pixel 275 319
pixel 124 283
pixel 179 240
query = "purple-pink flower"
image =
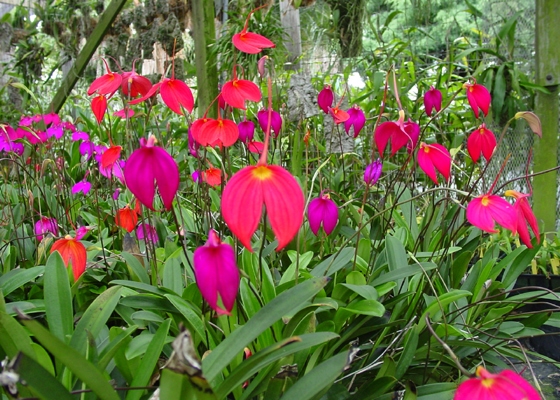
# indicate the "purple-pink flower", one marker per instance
pixel 275 124
pixel 216 273
pixel 357 119
pixel 432 101
pixel 322 210
pixel 146 232
pixel 149 166
pixel 246 131
pixel 44 225
pixel 82 186
pixel 373 172
pixel 325 99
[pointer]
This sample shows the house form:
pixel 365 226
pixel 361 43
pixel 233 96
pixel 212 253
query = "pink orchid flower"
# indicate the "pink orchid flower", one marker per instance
pixel 432 101
pixel 249 42
pixel 216 273
pixel 487 209
pixel 147 233
pixel 481 141
pixel 432 157
pixel 322 211
pixel 356 119
pixel 275 121
pixel 325 99
pixel 394 131
pixel 44 225
pixel 149 166
pixel 507 385
pixel 478 97
pixel 373 172
pixel 246 130
pixel 106 84
pixel 525 216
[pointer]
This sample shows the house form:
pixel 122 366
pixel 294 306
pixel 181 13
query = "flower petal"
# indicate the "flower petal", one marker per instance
pixel 176 93
pixel 72 252
pixel 251 43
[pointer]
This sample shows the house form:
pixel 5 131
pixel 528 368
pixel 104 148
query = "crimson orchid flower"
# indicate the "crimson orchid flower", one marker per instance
pixel 212 176
pixel 432 157
pixel 150 165
pixel 246 130
pixel 73 252
pixel 44 225
pixel 481 141
pixel 99 107
pixel 174 93
pixel 325 99
pixel 110 157
pixel 487 209
pixel 394 131
pixel 432 101
pixel 356 119
pixel 413 131
pixel 260 185
pixel 237 91
pixel 126 218
pixel 524 216
pixel 106 84
pixel 275 121
pixel 478 97
pixel 215 131
pixel 216 273
pixel 134 85
pixel 322 210
pixel 249 42
pixel 507 385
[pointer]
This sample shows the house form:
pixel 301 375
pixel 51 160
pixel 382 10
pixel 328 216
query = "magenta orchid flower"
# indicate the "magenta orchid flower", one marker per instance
pixel 432 101
pixel 175 93
pixel 487 209
pixel 524 216
pixel 246 131
pixel 322 210
pixel 106 84
pixel 147 233
pixel 193 144
pixel 275 124
pixel 325 99
pixel 373 172
pixel 432 157
pixel 478 97
pixel 45 225
pixel 356 119
pixel 216 273
pixel 507 385
pixel 481 141
pixel 249 42
pixel 82 186
pixel 396 133
pixel 149 166
pixel 413 131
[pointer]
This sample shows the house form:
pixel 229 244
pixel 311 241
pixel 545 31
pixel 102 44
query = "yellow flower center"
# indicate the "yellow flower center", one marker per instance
pixel 262 172
pixel 487 383
pixel 485 201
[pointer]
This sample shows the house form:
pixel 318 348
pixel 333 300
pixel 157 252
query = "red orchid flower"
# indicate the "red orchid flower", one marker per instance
pixel 216 273
pixel 174 93
pixel 394 131
pixel 339 116
pixel 99 107
pixel 110 157
pixel 432 157
pixel 481 141
pixel 72 252
pixel 215 131
pixel 432 101
pixel 212 176
pixel 524 216
pixel 237 91
pixel 487 209
pixel 249 42
pixel 478 97
pixel 134 84
pixel 150 165
pixel 507 385
pixel 322 210
pixel 325 98
pixel 356 119
pixel 126 218
pixel 106 84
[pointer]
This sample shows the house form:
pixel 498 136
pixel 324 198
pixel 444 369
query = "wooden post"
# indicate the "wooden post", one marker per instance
pixel 204 34
pixel 75 72
pixel 289 18
pixel 547 32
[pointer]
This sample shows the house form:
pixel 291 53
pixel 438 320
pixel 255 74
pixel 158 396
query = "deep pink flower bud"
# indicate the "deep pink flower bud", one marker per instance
pixel 216 273
pixel 196 176
pixel 478 97
pixel 246 131
pixel 146 232
pixel 373 172
pixel 322 210
pixel 193 144
pixel 45 225
pixel 325 99
pixel 356 118
pixel 276 124
pixel 432 101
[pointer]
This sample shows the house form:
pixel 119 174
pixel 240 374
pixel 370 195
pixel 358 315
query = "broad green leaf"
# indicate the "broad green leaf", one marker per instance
pixel 267 356
pixel 366 307
pixel 318 379
pixel 407 355
pixel 234 344
pixel 334 263
pixel 95 318
pixel 396 253
pixel 109 351
pixel 173 275
pixel 39 380
pixel 403 272
pixel 26 307
pixel 440 304
pixel 18 277
pixel 365 291
pixel 13 337
pixel 134 264
pixel 191 314
pixel 73 360
pixel 149 361
pixel 58 298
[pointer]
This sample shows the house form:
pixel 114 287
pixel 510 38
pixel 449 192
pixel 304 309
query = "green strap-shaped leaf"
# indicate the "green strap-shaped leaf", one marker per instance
pixel 318 379
pixel 149 361
pixel 269 355
pixel 18 277
pixel 39 380
pixel 73 360
pixel 58 298
pixel 188 312
pixel 95 318
pixel 108 352
pixel 136 267
pixel 234 344
pixel 13 337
